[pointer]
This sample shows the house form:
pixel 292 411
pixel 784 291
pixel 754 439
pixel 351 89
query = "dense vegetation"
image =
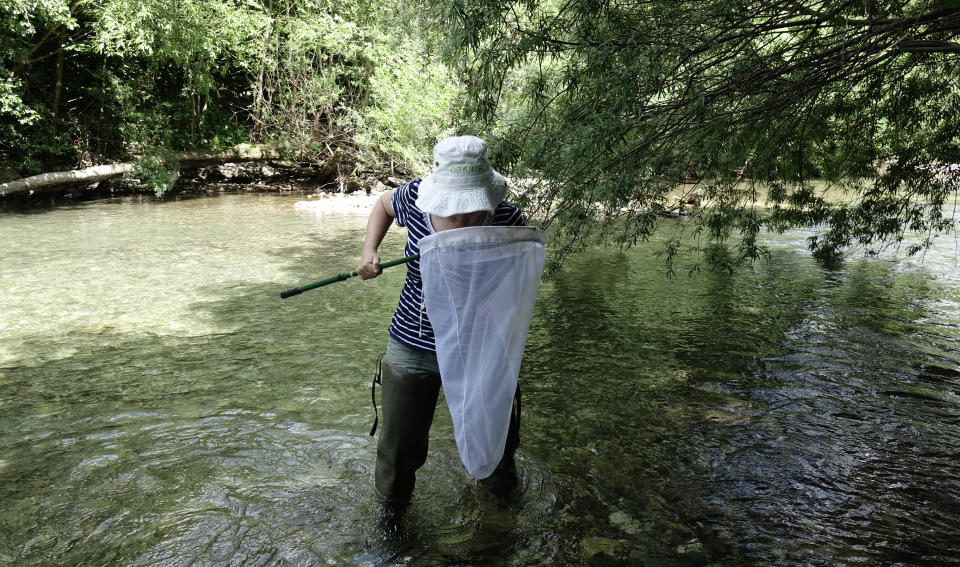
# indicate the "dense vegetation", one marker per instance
pixel 89 81
pixel 610 108
pixel 618 104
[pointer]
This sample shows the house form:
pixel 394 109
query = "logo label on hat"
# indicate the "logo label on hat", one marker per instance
pixel 466 169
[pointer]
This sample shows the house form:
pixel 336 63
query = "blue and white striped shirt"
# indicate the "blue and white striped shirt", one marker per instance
pixel 410 324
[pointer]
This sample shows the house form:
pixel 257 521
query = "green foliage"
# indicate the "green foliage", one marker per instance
pixel 157 170
pixel 617 106
pixel 315 81
pixel 412 97
pixel 330 81
pixel 12 106
pixel 26 15
pixel 25 132
pixel 84 82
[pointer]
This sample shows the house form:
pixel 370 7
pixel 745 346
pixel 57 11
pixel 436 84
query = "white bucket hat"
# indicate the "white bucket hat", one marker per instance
pixel 462 180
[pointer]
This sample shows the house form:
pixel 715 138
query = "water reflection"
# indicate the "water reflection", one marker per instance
pixel 749 419
pixel 161 405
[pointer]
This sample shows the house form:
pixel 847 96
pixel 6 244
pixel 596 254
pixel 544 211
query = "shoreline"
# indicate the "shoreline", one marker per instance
pixel 188 189
pixel 269 176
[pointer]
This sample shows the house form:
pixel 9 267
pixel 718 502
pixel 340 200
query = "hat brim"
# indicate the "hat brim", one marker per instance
pixel 442 200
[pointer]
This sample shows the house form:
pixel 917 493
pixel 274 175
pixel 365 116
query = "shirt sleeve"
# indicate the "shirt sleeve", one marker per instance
pixel 508 215
pixel 403 201
pixel 398 200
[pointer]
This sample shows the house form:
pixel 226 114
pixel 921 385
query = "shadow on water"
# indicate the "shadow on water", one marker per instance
pixel 844 433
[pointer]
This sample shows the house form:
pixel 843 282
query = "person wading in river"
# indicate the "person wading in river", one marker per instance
pixel 462 190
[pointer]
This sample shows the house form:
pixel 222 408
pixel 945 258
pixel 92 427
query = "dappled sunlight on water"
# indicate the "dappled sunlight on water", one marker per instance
pixel 161 405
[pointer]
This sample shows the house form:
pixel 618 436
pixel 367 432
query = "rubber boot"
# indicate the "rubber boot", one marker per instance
pixel 409 401
pixel 504 477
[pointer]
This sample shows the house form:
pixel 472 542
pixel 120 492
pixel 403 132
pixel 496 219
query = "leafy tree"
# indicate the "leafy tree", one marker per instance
pixel 30 34
pixel 87 81
pixel 836 113
pixel 414 98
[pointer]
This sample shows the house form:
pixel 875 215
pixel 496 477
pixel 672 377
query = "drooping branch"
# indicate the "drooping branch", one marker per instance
pixel 930 46
pixel 787 74
pixel 636 98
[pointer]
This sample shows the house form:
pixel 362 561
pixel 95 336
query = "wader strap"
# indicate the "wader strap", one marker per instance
pixel 518 399
pixel 373 393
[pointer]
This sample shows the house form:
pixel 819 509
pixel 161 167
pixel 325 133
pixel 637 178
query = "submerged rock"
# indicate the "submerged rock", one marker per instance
pixel 625 522
pixel 606 551
pixel 692 546
pixel 593 546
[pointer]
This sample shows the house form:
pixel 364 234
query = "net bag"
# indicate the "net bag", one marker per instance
pixel 479 288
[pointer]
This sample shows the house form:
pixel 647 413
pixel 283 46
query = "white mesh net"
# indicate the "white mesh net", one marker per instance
pixel 480 285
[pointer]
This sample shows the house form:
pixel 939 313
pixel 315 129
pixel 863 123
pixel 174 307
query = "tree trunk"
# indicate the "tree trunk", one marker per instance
pixel 58 88
pixel 46 180
pixel 258 101
pixel 241 153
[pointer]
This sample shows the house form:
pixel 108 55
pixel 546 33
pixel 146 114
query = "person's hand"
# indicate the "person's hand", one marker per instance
pixel 369 266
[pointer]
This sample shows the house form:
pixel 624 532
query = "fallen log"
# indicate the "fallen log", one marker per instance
pixel 46 180
pixel 240 153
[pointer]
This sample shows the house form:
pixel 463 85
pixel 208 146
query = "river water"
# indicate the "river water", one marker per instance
pixel 160 405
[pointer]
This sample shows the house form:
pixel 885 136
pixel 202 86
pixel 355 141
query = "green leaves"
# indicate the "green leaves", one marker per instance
pixel 12 105
pixel 114 78
pixel 27 17
pixel 157 169
pixel 619 105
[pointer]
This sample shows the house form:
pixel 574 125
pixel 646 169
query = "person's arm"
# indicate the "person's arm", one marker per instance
pixel 381 217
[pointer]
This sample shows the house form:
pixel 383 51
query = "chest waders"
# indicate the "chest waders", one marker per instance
pixel 409 392
pixel 479 289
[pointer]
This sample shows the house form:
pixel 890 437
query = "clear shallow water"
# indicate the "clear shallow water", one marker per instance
pixel 160 405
